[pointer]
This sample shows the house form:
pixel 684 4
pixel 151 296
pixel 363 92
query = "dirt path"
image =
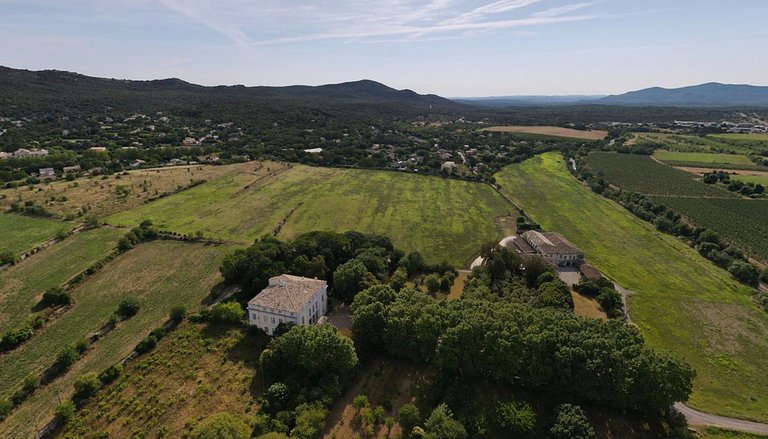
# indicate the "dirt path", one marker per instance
pixel 696 417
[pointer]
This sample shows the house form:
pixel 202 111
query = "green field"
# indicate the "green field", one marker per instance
pixel 742 220
pixel 444 219
pixel 703 157
pixel 756 179
pixel 714 143
pixel 741 136
pixel 682 302
pixel 640 173
pixel 22 285
pixel 21 233
pixel 160 274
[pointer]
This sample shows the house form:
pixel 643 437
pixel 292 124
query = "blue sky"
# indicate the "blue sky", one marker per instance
pixel 448 47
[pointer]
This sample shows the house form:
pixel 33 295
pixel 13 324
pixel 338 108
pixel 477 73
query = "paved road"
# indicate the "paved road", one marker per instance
pixel 696 417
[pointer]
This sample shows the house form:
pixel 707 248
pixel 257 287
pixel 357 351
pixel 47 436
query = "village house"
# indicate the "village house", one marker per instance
pixel 554 248
pixel 5 155
pixel 288 299
pixel 189 141
pixel 68 169
pixel 98 149
pixel 46 172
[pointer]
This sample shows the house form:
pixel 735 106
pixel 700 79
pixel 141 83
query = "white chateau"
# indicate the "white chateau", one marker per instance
pixel 294 299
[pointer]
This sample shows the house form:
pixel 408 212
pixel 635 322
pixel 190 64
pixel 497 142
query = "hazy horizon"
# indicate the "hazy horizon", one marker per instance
pixel 447 47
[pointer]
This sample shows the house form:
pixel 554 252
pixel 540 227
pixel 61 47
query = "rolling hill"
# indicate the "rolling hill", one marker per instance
pixel 704 95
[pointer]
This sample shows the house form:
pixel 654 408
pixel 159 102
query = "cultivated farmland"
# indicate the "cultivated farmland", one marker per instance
pixel 703 157
pixel 550 131
pixel 195 371
pixel 22 285
pixel 682 302
pixel 741 220
pixel 444 219
pixel 642 174
pixel 20 233
pixel 105 195
pixel 159 274
pixel 742 137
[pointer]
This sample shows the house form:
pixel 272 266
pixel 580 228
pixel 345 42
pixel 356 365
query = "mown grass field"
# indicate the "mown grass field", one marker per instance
pixel 703 157
pixel 159 274
pixel 642 174
pixel 742 220
pixel 444 219
pixel 195 371
pixel 682 302
pixel 21 233
pixel 105 195
pixel 756 179
pixel 569 133
pixel 22 285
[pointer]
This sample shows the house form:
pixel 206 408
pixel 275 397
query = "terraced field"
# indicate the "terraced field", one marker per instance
pixel 159 274
pixel 22 285
pixel 682 302
pixel 444 219
pixel 20 233
pixel 105 195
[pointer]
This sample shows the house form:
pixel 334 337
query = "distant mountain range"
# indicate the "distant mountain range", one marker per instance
pixel 52 90
pixel 712 94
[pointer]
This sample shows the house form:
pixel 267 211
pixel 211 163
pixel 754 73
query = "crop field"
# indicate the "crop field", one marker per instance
pixel 159 274
pixel 21 233
pixel 195 371
pixel 703 157
pixel 714 143
pixel 642 174
pixel 22 285
pixel 742 220
pixel 741 136
pixel 102 196
pixel 443 219
pixel 681 302
pixel 754 178
pixel 550 131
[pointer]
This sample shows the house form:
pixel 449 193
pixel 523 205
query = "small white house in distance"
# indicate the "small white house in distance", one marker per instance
pixel 288 298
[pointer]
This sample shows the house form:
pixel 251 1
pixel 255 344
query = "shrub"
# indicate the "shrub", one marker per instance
pixel 442 425
pixel 56 296
pixel 7 258
pixel 571 423
pixel 111 373
pixel 65 359
pixel 147 344
pixel 228 313
pixel 16 336
pixel 86 386
pixel 178 313
pixel 221 426
pixel 65 412
pixel 5 408
pixel 128 308
pixel 310 421
pixel 409 416
pixel 277 397
pixel 517 418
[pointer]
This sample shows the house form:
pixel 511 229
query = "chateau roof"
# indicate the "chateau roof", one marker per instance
pixel 287 293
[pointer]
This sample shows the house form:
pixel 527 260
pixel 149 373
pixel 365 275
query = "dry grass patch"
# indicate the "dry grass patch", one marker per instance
pixel 586 307
pixel 550 131
pixel 104 196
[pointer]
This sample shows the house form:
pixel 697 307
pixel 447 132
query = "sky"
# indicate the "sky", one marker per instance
pixel 447 47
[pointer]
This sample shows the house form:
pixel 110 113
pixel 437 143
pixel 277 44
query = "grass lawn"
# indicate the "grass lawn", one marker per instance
pixel 195 371
pixel 22 286
pixel 703 157
pixel 444 219
pixel 160 275
pixel 683 303
pixel 21 233
pixel 719 433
